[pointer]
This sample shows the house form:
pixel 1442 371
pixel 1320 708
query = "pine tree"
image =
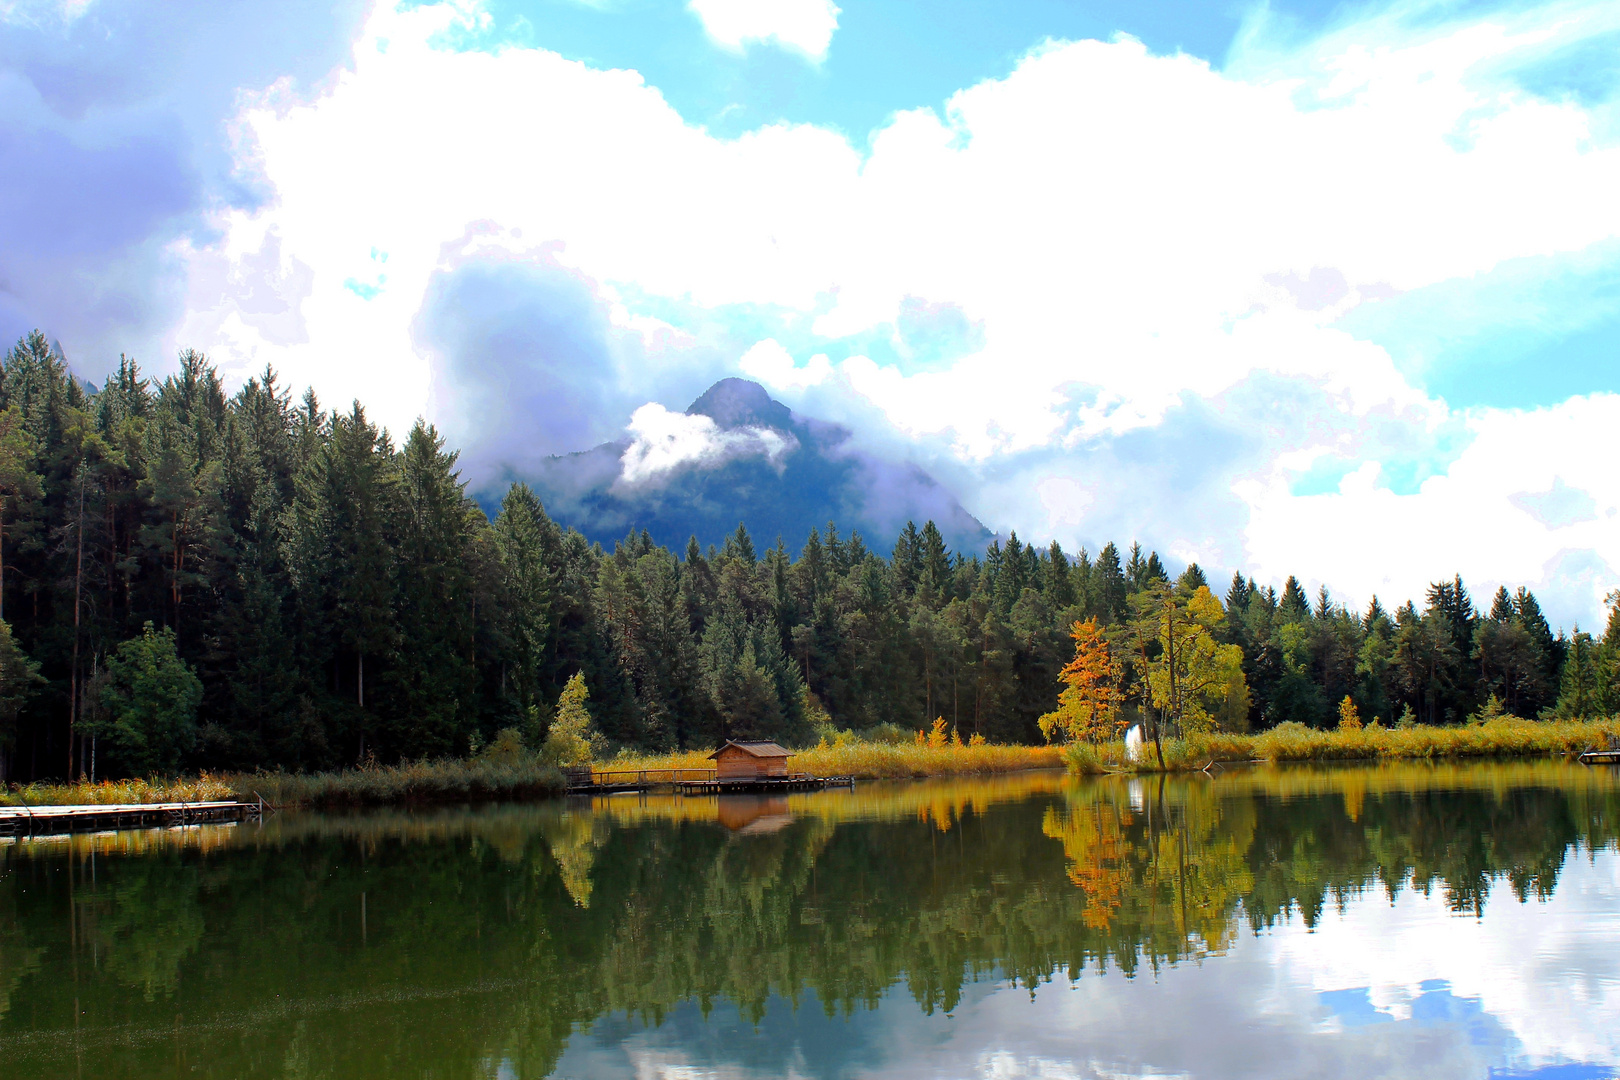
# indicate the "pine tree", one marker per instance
pixel 434 680
pixel 1012 576
pixel 341 555
pixel 1579 690
pixel 1293 607
pixel 1057 580
pixel 739 545
pixel 935 559
pixel 19 682
pixel 527 582
pixel 18 481
pixel 1237 594
pixel 1111 586
pixel 1136 569
pixel 907 560
pixel 1375 614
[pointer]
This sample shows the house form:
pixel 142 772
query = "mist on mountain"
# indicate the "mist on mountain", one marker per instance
pixel 734 456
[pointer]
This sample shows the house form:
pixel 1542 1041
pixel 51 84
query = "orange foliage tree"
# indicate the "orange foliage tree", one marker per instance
pixel 1088 707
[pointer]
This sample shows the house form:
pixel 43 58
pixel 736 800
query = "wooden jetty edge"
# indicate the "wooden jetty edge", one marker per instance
pixel 1609 755
pixel 53 820
pixel 741 765
pixel 588 781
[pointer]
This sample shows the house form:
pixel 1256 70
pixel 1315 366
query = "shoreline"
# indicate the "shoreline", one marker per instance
pixel 1497 739
pixel 526 778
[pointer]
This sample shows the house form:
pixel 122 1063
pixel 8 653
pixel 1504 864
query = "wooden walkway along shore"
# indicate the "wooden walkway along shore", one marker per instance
pixel 1601 757
pixel 51 820
pixel 586 781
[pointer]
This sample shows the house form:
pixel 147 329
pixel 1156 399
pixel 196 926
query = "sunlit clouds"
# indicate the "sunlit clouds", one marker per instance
pixel 1149 270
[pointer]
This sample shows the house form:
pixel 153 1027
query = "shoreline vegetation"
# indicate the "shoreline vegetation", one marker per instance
pixel 1500 737
pixel 520 776
pixel 262 588
pixel 450 780
pixel 866 760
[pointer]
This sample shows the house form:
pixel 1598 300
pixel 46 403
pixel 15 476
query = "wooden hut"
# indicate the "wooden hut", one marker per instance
pixel 750 761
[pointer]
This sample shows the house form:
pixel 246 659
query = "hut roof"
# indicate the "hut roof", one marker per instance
pixel 757 749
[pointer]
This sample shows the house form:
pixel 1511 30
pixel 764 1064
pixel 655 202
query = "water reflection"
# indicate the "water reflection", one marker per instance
pixel 1403 919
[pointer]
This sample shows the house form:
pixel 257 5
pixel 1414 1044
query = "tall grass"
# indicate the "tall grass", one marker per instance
pixel 476 779
pixel 1503 737
pixel 471 780
pixel 204 788
pixel 877 761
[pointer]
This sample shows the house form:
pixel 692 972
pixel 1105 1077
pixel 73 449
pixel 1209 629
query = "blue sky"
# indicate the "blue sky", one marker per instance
pixel 1327 289
pixel 884 57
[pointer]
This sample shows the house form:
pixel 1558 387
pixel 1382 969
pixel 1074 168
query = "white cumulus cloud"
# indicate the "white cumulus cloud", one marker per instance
pixel 804 25
pixel 661 440
pixel 1155 254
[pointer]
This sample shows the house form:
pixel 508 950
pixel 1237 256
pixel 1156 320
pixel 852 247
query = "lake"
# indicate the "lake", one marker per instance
pixel 1403 920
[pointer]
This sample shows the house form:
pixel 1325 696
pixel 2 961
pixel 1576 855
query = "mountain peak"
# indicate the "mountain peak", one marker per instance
pixel 739 403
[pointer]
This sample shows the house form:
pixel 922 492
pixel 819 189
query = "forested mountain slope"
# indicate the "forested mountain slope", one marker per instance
pixel 752 461
pixel 190 579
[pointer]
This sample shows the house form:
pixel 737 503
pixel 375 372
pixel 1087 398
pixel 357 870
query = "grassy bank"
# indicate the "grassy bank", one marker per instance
pixel 878 761
pixel 519 776
pixel 1505 737
pixel 473 780
pixel 204 788
pixel 470 780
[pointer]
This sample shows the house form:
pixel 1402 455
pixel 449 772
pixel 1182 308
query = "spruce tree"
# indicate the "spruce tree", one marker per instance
pixel 1110 585
pixel 935 559
pixel 1293 607
pixel 1579 688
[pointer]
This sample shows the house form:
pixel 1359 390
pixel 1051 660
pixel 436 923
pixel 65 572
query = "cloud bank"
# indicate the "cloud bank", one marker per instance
pixel 661 441
pixel 1112 294
pixel 804 25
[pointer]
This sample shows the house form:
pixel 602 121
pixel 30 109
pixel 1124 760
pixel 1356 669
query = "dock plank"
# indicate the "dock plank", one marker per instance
pixel 35 820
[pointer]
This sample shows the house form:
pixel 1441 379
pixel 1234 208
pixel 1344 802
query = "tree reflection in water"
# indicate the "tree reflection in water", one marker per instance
pixel 438 943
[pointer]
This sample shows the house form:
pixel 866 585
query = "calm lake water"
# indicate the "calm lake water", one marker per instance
pixel 1397 921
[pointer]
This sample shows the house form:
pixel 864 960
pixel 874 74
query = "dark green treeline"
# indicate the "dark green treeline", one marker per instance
pixel 317 594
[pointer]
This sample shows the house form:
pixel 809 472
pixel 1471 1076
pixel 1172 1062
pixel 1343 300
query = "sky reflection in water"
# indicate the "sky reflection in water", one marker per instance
pixel 1401 921
pixel 1409 989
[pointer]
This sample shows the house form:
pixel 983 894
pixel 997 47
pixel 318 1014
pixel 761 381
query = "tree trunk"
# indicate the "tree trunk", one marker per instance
pixel 174 585
pixel 360 696
pixel 928 684
pixel 1170 667
pixel 78 591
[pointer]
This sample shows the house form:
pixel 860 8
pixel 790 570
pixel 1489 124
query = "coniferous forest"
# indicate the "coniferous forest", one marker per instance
pixel 191 579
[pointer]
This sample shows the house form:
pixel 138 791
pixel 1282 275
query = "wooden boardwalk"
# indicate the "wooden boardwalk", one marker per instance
pixel 1601 757
pixel 764 784
pixel 52 820
pixel 583 781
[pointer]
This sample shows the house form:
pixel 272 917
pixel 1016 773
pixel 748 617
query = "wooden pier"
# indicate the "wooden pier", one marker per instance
pixel 586 781
pixel 54 820
pixel 1601 757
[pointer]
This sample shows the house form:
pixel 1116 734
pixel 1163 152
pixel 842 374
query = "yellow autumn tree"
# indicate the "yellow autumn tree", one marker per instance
pixel 573 739
pixel 1196 681
pixel 1349 715
pixel 1088 706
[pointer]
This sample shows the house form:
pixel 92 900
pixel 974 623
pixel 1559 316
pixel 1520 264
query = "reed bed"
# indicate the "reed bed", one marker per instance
pixel 204 788
pixel 478 779
pixel 1503 737
pixel 878 761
